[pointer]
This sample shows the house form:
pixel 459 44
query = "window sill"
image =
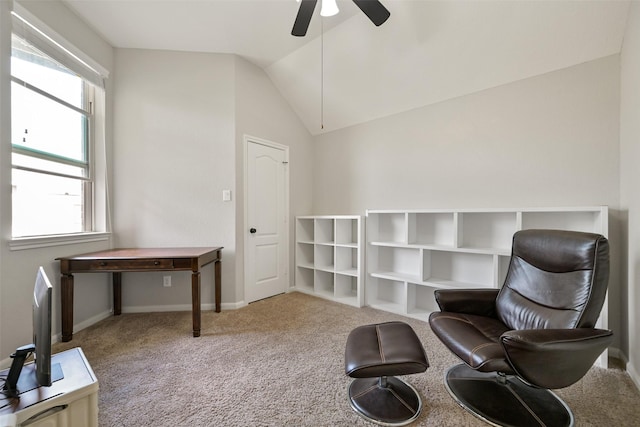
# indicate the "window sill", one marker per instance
pixel 21 243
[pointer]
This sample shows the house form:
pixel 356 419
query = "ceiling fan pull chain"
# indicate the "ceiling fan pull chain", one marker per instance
pixel 321 73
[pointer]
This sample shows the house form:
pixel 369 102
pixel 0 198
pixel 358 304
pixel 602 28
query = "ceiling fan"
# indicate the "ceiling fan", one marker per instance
pixel 374 10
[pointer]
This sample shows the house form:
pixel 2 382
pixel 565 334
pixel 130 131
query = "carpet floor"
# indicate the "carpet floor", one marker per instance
pixel 280 362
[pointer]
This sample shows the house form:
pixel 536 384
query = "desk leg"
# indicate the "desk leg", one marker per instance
pixel 67 306
pixel 195 297
pixel 218 283
pixel 117 293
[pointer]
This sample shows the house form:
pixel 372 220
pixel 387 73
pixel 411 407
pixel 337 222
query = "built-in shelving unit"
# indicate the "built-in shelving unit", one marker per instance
pixel 330 257
pixel 411 253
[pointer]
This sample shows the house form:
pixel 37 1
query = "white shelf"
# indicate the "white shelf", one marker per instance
pixel 391 275
pixel 330 257
pixel 411 253
pixel 350 272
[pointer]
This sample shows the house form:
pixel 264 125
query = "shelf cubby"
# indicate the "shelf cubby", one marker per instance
pixel 502 266
pixel 304 279
pixel 347 261
pixel 304 230
pixel 420 301
pixel 323 257
pixel 323 283
pixel 431 228
pixel 388 227
pixel 400 262
pixel 305 254
pixel 385 294
pixel 346 232
pixel 587 220
pixel 346 287
pixel 486 230
pixel 459 269
pixel 323 231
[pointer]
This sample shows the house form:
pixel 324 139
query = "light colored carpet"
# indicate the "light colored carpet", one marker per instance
pixel 280 362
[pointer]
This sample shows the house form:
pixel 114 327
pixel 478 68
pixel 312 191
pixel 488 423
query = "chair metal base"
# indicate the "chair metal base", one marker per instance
pixel 387 401
pixel 505 400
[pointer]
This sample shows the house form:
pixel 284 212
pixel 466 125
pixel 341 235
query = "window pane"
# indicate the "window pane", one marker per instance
pixel 34 67
pixel 51 139
pixel 40 123
pixel 45 204
pixel 47 165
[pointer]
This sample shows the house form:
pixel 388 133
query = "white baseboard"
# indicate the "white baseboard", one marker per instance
pixel 161 308
pixel 178 307
pixel 84 324
pixel 633 374
pixel 233 305
pixel 618 354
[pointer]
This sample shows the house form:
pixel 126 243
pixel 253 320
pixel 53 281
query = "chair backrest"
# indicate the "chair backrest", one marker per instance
pixel 556 280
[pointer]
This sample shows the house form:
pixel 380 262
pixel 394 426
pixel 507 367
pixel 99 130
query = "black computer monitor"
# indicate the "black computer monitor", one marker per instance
pixel 39 373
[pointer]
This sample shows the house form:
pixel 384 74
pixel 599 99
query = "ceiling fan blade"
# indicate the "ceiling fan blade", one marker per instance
pixel 305 12
pixel 374 11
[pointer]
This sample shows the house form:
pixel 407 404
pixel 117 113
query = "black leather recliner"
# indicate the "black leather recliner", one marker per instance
pixel 534 334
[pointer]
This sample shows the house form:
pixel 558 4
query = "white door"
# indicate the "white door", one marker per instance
pixel 266 252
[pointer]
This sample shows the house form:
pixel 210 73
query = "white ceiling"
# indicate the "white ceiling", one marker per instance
pixel 428 51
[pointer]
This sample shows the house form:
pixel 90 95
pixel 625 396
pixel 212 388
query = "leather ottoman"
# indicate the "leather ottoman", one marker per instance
pixel 374 356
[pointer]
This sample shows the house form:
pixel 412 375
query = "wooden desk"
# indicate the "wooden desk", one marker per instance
pixel 117 261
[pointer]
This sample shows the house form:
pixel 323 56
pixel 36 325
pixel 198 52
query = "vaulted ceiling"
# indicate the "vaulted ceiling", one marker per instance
pixel 346 71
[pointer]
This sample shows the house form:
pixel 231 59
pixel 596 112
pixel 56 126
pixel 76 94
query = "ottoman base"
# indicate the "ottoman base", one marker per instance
pixel 387 401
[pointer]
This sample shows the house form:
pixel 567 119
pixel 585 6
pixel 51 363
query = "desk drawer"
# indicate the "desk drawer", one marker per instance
pixel 120 265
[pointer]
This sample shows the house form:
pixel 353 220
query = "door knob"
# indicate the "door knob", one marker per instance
pixel 252 230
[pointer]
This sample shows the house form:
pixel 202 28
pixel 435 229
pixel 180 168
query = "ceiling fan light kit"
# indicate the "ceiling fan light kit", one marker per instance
pixel 329 8
pixel 374 10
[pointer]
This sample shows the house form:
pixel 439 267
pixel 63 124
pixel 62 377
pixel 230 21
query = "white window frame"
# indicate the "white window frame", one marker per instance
pixel 96 194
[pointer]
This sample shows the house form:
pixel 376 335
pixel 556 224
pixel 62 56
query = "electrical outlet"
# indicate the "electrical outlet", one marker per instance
pixel 166 281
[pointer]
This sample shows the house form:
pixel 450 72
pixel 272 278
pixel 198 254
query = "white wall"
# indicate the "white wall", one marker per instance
pixel 18 268
pixel 174 153
pixel 262 112
pixel 550 140
pixel 629 179
pixel 180 119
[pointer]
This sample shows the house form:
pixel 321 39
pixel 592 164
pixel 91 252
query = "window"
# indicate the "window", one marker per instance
pixel 52 138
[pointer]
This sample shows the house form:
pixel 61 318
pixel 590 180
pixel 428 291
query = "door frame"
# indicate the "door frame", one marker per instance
pixel 248 139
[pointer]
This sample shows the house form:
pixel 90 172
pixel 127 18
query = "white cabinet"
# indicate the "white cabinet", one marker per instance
pixel 329 257
pixel 69 402
pixel 411 253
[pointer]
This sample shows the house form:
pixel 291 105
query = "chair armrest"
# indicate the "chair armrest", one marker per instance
pixel 471 301
pixel 554 358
